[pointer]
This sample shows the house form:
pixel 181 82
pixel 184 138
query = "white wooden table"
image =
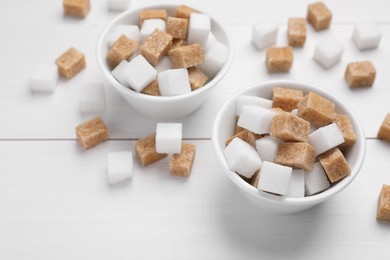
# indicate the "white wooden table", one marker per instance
pixel 55 202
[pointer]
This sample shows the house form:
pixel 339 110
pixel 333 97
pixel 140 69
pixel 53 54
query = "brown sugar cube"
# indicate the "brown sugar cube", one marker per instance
pixel 384 130
pixel 152 14
pixel 145 149
pixel 246 136
pixel 316 109
pixel 181 164
pixel 91 133
pixel 279 59
pixel 255 179
pixel 121 50
pixel 360 74
pixel 156 46
pixel 286 98
pixel 319 16
pixel 184 11
pixel 177 43
pixel 152 89
pixel 296 155
pixel 70 63
pixel 78 8
pixel 346 128
pixel 335 165
pixel 296 32
pixel 177 27
pixel 383 212
pixel 289 128
pixel 197 78
pixel 186 56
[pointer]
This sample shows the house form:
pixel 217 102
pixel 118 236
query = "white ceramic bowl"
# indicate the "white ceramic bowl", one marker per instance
pixel 224 127
pixel 162 107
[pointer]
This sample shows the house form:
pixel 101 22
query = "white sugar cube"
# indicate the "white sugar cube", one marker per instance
pixel 210 39
pixel 130 31
pixel 119 166
pixel 366 35
pixel 164 64
pixel 325 138
pixel 118 5
pixel 174 82
pixel 316 180
pixel 274 178
pixel 267 148
pixel 242 158
pixel 328 52
pixel 149 25
pixel 264 34
pixel 168 137
pixel 198 29
pixel 252 100
pixel 92 98
pixel 120 72
pixel 214 58
pixel 44 77
pixel 256 119
pixel 296 188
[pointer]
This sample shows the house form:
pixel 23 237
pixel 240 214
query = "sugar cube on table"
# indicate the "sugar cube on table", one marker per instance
pixel 328 52
pixel 92 98
pixel 244 135
pixel 286 98
pixel 130 31
pixel 168 137
pixel 156 46
pixel 152 89
pixel 316 180
pixel 77 8
pixel 149 26
pixel 186 56
pixel 360 74
pixel 279 59
pixel 164 64
pixel 267 148
pixel 149 14
pixel 215 57
pixel 296 187
pixel 289 128
pixel 298 155
pixel 119 166
pixel 118 5
pixel 319 16
pixel 174 82
pixel 44 78
pixel 244 100
pixel 177 27
pixel 335 165
pixel 383 211
pixel 325 138
pixel 366 35
pixel 242 158
pixel 92 132
pixel 184 11
pixel 197 78
pixel 198 29
pixel 384 130
pixel 256 119
pixel 70 63
pixel 346 128
pixel 121 50
pixel 145 149
pixel 264 34
pixel 296 32
pixel 181 163
pixel 275 178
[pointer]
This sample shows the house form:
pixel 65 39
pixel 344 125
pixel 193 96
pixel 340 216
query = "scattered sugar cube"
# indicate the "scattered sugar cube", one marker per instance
pixel 177 43
pixel 145 149
pixel 156 46
pixel 177 27
pixel 149 14
pixel 71 63
pixel 92 98
pixel 296 155
pixel 286 98
pixel 325 138
pixel 315 109
pixel 168 137
pixel 246 136
pixel 275 178
pixel 328 52
pixel 139 73
pixel 44 77
pixel 316 180
pixel 296 187
pixel 149 26
pixel 335 165
pixel 197 78
pixel 289 128
pixel 267 148
pixel 198 29
pixel 186 56
pixel 119 166
pixel 118 5
pixel 121 50
pixel 279 59
pixel 256 119
pixel 215 57
pixel 174 82
pixel 78 8
pixel 130 31
pixel 366 35
pixel 181 163
pixel 242 158
pixel 360 74
pixel 346 128
pixel 152 89
pixel 296 32
pixel 383 212
pixel 264 34
pixel 251 100
pixel 319 16
pixel 384 130
pixel 91 133
pixel 184 11
pixel 164 64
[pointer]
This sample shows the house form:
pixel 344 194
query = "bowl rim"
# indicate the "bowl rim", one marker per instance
pixel 281 200
pixel 163 99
